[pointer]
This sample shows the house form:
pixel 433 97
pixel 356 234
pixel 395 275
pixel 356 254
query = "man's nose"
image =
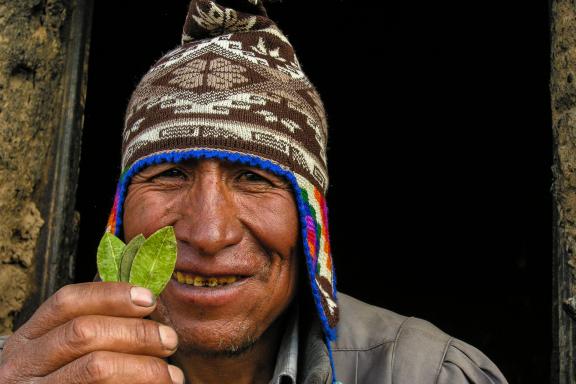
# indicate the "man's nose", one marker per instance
pixel 210 222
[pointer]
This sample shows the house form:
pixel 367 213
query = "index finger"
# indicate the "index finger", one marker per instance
pixel 94 298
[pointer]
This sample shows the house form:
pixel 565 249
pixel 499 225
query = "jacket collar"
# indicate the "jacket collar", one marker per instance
pixel 286 368
pixel 314 360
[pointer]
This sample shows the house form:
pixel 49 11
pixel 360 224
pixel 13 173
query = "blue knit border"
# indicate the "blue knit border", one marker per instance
pixel 178 156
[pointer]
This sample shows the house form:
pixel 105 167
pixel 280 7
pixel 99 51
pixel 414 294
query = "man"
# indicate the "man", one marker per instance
pixel 225 139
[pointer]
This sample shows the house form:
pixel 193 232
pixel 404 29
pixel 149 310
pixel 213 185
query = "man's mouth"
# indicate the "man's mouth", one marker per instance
pixel 204 281
pixel 210 288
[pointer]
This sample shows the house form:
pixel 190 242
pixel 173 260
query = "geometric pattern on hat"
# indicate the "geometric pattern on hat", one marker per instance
pixel 202 92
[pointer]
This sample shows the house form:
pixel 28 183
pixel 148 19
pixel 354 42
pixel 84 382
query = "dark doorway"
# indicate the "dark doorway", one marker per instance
pixel 439 155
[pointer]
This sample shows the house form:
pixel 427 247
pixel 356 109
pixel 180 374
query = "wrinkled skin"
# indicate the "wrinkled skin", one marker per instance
pixel 230 217
pixel 91 333
pixel 226 217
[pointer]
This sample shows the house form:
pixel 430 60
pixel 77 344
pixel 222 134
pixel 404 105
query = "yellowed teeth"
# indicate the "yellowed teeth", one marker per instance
pixel 201 281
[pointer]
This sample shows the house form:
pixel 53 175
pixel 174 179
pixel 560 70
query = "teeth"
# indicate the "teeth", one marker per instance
pixel 200 281
pixel 227 280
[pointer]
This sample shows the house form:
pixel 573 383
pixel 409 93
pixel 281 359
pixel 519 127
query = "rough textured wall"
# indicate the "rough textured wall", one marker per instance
pixel 563 104
pixel 31 66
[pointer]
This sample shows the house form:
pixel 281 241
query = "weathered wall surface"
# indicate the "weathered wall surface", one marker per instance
pixel 563 105
pixel 31 67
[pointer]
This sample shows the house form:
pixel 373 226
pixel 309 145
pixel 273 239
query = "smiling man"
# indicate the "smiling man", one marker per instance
pixel 225 140
pixel 236 272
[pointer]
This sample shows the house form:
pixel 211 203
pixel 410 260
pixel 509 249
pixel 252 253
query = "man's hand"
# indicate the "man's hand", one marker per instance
pixel 92 333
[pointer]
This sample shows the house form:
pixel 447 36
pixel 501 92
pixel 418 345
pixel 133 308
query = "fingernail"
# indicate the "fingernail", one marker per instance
pixel 168 337
pixel 142 296
pixel 176 374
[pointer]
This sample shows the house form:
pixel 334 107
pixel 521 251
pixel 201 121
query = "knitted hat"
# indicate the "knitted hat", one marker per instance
pixel 234 90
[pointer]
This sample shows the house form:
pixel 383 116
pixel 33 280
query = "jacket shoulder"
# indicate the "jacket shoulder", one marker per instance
pixel 364 326
pixel 464 363
pixel 380 345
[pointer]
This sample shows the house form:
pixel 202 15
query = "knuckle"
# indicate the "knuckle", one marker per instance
pixel 63 299
pixel 97 367
pixel 79 332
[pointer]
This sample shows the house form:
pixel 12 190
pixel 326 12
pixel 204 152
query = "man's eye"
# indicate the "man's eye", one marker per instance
pixel 171 173
pixel 253 176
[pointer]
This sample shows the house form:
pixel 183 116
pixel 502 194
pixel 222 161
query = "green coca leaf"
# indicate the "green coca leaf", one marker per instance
pixel 154 262
pixel 108 257
pixel 128 255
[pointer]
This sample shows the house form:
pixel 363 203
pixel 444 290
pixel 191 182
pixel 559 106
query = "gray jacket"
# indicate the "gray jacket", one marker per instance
pixel 378 346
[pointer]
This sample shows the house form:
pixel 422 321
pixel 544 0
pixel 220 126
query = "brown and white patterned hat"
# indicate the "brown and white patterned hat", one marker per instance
pixel 234 89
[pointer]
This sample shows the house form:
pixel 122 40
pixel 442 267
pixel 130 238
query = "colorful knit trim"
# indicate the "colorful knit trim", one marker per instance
pixel 313 216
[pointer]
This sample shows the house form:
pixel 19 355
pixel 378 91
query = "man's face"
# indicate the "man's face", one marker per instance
pixel 237 227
